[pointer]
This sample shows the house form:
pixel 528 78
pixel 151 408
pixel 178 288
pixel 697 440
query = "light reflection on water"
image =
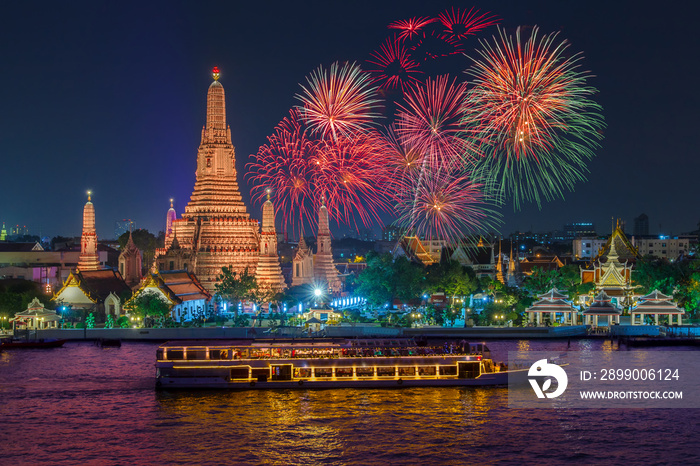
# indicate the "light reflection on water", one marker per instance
pixel 83 404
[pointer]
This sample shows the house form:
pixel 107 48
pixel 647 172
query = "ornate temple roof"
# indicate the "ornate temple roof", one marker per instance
pixel 602 305
pixel 656 303
pixel 617 246
pixel 96 284
pixel 553 294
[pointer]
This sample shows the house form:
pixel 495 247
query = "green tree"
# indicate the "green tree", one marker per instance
pixel 386 279
pixel 151 307
pixel 541 280
pixel 236 287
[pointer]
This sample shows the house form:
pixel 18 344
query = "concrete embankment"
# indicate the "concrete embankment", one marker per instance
pixel 164 334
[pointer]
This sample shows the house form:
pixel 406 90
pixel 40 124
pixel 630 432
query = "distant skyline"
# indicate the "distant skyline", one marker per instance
pixel 111 97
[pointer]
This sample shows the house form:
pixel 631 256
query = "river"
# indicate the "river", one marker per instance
pixel 82 404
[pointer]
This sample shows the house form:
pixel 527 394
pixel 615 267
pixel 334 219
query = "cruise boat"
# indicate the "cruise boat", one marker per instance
pixel 308 364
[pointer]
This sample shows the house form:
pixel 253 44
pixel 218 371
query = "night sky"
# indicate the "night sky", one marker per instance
pixel 111 96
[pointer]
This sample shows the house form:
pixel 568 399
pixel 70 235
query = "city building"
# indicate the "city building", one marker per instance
pixel 215 230
pixel 587 247
pixel 664 247
pixel 575 230
pixel 641 225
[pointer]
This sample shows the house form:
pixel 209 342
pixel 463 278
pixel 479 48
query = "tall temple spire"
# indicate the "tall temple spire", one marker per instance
pixel 269 272
pixel 89 259
pixel 324 268
pixel 499 264
pixel 130 262
pixel 215 230
pixel 169 219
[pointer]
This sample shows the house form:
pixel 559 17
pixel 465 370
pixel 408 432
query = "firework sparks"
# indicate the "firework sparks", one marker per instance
pixel 411 27
pixel 432 121
pixel 532 105
pixel 430 45
pixel 446 205
pixel 461 24
pixel 283 166
pixel 395 69
pixel 352 175
pixel 338 102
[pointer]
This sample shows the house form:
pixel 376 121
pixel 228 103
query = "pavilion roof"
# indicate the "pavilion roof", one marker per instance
pixel 553 294
pixel 655 295
pixel 551 305
pixel 602 305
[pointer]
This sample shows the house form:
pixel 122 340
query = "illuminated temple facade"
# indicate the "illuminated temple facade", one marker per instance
pixel 216 230
pixel 317 269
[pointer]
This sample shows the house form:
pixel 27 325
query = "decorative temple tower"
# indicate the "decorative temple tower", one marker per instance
pixel 324 268
pixel 499 265
pixel 269 272
pixel 169 219
pixel 130 263
pixel 215 230
pixel 317 268
pixel 89 260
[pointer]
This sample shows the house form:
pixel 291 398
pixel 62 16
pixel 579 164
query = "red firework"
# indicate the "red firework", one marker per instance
pixel 283 166
pixel 431 45
pixel 445 205
pixel 411 27
pixel 461 24
pixel 405 162
pixel 352 175
pixel 338 102
pixel 431 121
pixel 395 68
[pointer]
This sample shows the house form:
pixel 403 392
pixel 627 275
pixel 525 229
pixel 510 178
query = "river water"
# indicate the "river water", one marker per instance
pixel 82 404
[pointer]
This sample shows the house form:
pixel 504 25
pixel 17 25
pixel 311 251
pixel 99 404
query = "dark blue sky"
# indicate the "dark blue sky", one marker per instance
pixel 111 96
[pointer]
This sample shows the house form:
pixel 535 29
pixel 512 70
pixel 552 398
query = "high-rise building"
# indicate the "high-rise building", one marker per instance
pixel 575 230
pixel 641 225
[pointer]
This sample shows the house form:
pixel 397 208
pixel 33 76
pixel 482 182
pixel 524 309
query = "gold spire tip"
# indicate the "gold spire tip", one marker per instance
pixel 89 195
pixel 171 203
pixel 268 191
pixel 215 73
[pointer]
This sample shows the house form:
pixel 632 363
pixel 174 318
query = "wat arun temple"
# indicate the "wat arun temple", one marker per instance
pixel 216 230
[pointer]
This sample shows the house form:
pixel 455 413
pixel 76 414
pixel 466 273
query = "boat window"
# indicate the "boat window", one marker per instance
pixel 239 373
pixel 159 354
pixel 176 353
pixel 302 372
pixel 386 371
pixel 364 371
pixel 218 354
pixel 408 371
pixel 426 370
pixel 324 372
pixel 198 353
pixel 261 374
pixel 448 370
pixel 343 372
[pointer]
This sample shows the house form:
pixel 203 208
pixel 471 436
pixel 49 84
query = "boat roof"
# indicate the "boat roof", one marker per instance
pixel 373 342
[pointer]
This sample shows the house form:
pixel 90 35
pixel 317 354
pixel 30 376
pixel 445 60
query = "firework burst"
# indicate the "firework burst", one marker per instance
pixel 531 103
pixel 461 24
pixel 283 166
pixel 339 101
pixel 394 67
pixel 431 121
pixel 446 205
pixel 352 175
pixel 409 28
